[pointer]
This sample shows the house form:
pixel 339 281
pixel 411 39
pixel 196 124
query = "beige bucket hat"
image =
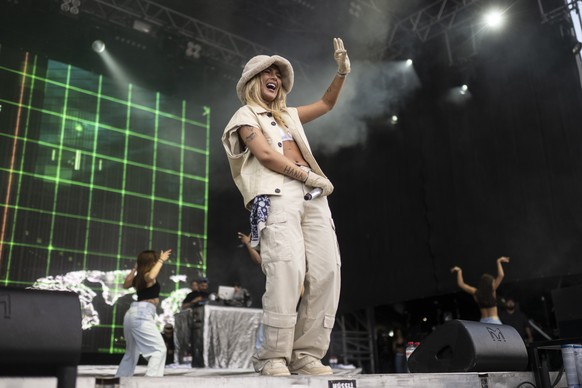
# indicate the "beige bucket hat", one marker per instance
pixel 261 62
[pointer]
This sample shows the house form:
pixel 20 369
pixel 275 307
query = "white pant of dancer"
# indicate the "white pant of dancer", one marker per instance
pixel 142 337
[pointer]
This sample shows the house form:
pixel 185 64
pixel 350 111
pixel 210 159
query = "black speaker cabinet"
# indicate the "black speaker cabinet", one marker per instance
pixel 197 337
pixel 40 334
pixel 466 346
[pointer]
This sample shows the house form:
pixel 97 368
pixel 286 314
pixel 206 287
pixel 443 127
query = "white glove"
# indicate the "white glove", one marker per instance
pixel 315 180
pixel 341 57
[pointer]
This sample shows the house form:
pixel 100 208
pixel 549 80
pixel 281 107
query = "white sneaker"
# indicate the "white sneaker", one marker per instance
pixel 275 367
pixel 314 368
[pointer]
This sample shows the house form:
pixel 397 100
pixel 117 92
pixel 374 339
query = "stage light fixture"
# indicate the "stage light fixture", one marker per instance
pixel 409 62
pixel 494 18
pixel 193 50
pixel 355 9
pixel 464 89
pixel 71 6
pixel 141 26
pixel 394 120
pixel 98 46
pixel 66 5
pixel 130 42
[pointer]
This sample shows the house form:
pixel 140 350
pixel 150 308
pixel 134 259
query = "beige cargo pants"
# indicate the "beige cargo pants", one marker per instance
pixel 299 249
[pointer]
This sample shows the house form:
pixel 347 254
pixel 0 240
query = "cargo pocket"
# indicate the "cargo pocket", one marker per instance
pixel 275 244
pixel 321 342
pixel 279 330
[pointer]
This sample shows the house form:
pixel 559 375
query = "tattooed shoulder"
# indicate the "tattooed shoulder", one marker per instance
pixel 250 136
pixel 247 133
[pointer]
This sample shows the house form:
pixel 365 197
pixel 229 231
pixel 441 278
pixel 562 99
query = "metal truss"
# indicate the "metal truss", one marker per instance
pixel 438 18
pixel 560 13
pixel 570 14
pixel 219 45
pixel 353 339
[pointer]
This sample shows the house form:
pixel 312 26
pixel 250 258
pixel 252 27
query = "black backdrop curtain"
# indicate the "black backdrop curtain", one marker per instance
pixel 462 183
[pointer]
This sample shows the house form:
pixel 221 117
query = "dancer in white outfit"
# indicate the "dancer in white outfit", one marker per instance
pixel 139 328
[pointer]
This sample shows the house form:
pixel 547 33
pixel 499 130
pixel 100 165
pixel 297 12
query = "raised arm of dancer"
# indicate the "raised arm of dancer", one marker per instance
pixel 128 282
pixel 461 283
pixel 154 272
pixel 253 254
pixel 326 103
pixel 500 273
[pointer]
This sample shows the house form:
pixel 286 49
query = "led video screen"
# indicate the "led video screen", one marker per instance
pixel 93 171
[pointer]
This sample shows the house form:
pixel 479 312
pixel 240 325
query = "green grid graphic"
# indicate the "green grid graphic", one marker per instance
pixel 91 173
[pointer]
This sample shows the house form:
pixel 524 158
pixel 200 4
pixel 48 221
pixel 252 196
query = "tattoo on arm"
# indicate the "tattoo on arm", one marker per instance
pixel 293 173
pixel 251 136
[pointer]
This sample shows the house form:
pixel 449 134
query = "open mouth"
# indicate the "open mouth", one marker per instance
pixel 271 86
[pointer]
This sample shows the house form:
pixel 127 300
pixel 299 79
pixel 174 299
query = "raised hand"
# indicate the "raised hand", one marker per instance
pixel 341 57
pixel 164 256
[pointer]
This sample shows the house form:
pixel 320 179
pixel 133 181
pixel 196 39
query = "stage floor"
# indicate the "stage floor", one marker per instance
pixel 184 377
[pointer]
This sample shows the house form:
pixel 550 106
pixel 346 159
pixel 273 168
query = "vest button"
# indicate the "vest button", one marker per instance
pixel 277 191
pixel 269 114
pixel 273 123
pixel 280 144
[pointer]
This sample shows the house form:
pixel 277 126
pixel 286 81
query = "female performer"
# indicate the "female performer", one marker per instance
pixel 485 295
pixel 273 167
pixel 139 328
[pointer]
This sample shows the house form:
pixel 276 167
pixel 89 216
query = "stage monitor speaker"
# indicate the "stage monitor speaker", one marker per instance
pixel 466 346
pixel 40 334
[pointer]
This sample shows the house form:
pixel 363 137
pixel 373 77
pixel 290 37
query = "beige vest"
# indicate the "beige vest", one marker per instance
pixel 249 175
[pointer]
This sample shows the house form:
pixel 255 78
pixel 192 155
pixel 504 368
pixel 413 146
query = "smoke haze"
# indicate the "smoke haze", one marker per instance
pixel 371 90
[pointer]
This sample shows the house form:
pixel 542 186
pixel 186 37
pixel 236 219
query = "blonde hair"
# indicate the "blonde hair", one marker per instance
pixel 252 96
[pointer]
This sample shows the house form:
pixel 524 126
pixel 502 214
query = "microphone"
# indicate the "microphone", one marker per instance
pixel 313 194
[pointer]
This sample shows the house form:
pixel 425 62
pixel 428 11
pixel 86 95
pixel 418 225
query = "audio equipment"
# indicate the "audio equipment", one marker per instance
pixel 40 334
pixel 466 346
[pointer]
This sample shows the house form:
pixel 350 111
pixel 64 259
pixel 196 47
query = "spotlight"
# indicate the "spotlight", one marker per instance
pixel 98 46
pixel 494 18
pixel 409 62
pixel 464 89
pixel 394 120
